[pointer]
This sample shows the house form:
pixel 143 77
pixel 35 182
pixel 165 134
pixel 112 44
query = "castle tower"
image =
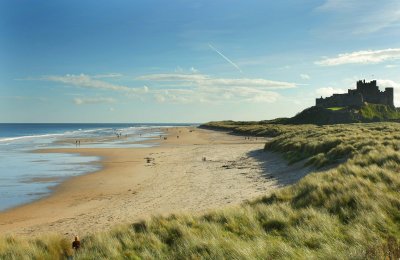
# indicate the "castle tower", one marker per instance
pixel 389 96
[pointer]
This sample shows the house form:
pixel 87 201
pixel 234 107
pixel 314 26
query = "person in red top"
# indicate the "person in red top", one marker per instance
pixel 76 244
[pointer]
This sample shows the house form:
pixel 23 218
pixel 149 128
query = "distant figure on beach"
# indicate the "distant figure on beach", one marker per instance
pixel 79 142
pixel 76 244
pixel 177 137
pixel 76 143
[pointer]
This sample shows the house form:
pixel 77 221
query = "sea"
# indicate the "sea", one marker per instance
pixel 26 176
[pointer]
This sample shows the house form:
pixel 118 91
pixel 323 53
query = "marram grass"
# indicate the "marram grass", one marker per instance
pixel 351 211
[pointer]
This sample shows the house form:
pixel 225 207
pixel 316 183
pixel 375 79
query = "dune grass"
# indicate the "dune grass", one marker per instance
pixel 351 211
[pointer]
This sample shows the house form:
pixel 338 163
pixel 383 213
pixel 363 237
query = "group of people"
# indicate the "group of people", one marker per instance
pixel 78 143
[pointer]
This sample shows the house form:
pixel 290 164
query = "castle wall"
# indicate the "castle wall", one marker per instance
pixel 340 100
pixel 365 92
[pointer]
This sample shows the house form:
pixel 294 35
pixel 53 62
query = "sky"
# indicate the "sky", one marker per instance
pixel 189 61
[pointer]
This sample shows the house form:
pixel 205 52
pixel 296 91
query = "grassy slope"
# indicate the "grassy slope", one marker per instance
pixel 379 112
pixel 336 115
pixel 349 212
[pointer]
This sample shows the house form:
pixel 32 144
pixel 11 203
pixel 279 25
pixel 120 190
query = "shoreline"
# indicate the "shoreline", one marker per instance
pixel 129 187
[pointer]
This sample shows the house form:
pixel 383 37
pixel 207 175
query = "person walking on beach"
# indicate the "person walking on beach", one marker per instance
pixel 76 244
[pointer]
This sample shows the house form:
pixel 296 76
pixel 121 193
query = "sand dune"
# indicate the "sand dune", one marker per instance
pixel 137 183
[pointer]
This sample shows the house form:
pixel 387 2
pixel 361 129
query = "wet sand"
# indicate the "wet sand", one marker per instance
pixel 198 171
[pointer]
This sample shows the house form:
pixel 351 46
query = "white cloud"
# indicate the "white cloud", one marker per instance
pixel 180 88
pixel 173 77
pixel 333 5
pixel 362 57
pixel 387 83
pixel 261 83
pixel 391 66
pixel 193 70
pixel 216 95
pixel 305 76
pixel 95 100
pixel 86 81
pixel 159 98
pixel 205 80
pixel 329 91
pixel 109 75
pixel 360 16
pixel 177 96
pixel 187 88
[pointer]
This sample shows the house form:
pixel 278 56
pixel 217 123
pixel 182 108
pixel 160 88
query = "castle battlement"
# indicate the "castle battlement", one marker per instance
pixel 365 92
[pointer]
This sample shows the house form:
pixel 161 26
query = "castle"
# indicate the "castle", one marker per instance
pixel 365 92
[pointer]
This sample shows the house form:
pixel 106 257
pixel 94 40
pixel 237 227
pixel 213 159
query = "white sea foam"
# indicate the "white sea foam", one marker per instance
pixel 8 139
pixel 67 133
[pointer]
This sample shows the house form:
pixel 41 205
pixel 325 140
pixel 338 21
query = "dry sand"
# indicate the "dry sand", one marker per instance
pixel 136 183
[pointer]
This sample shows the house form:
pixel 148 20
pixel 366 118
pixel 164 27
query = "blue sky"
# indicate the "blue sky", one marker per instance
pixel 189 61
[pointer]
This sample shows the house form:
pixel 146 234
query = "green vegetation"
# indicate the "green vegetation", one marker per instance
pixel 350 211
pixel 375 112
pixel 338 115
pixel 335 108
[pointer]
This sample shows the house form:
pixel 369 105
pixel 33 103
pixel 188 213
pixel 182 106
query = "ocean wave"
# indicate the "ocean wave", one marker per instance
pixel 16 138
pixel 67 133
pixel 80 132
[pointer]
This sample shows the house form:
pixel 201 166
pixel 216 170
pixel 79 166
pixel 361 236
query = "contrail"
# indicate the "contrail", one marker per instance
pixel 225 58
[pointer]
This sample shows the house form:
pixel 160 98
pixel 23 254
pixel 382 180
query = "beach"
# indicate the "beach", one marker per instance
pixel 195 172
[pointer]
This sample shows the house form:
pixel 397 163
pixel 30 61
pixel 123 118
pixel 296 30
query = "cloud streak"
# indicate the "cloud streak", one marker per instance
pixel 206 89
pixel 360 17
pixel 226 58
pixel 179 88
pixel 86 81
pixel 95 100
pixel 203 80
pixel 362 57
pixel 109 75
pixel 305 76
pixel 215 95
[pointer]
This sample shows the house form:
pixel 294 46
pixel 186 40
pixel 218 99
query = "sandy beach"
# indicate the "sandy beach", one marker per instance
pixel 200 170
